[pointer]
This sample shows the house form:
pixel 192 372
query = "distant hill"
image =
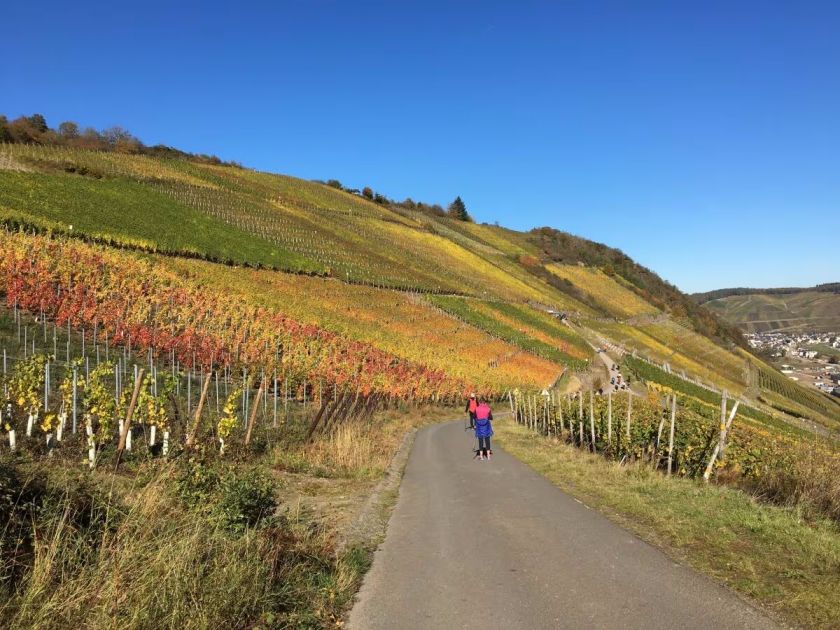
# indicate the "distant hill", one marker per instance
pixel 708 296
pixel 815 309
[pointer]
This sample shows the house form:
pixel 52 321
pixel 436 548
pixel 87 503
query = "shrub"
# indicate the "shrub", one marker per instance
pixel 246 500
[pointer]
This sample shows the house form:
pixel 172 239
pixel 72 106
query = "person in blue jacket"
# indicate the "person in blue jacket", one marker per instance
pixel 483 429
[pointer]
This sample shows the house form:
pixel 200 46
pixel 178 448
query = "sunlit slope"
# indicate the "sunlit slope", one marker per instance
pixel 272 220
pixel 806 311
pixel 136 214
pixel 466 298
pixel 401 323
pixel 609 292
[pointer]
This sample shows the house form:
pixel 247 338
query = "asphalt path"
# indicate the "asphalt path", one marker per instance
pixel 492 544
pixel 614 374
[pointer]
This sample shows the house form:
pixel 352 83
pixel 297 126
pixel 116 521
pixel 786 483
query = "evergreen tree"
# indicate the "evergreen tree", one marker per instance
pixel 38 122
pixel 458 210
pixel 5 135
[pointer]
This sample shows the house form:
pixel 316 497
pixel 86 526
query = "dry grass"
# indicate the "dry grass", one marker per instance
pixel 360 450
pixel 808 478
pixel 156 564
pixel 788 564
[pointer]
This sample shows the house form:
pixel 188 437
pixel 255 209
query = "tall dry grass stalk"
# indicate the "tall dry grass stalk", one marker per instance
pixel 365 449
pixel 358 449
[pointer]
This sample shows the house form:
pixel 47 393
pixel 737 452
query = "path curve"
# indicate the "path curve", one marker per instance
pixel 494 545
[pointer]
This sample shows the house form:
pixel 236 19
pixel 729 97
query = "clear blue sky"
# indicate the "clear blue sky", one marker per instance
pixel 702 138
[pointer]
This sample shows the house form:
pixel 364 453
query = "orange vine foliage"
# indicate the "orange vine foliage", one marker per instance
pixel 134 300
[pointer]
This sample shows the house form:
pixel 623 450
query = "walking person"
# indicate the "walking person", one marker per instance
pixel 472 405
pixel 483 429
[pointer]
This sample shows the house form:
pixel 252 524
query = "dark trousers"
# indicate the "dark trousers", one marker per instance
pixel 472 419
pixel 484 445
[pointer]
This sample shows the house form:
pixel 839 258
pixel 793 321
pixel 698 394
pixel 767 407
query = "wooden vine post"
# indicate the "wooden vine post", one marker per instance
pixel 252 420
pixel 138 383
pixel 609 418
pixel 722 438
pixel 656 449
pixel 711 464
pixel 629 410
pixel 198 410
pixel 560 412
pixel 580 417
pixel 671 437
pixel 592 420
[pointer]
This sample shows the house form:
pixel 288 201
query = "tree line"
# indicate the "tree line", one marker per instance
pixel 35 130
pixel 455 210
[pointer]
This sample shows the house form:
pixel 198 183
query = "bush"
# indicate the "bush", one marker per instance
pixel 197 483
pixel 246 500
pixel 161 567
pixel 237 500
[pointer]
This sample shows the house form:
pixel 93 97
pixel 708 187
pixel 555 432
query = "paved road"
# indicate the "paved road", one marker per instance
pixel 611 373
pixel 494 545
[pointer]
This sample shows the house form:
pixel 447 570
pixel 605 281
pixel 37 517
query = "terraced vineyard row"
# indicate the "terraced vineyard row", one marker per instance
pixel 756 455
pixel 560 350
pixel 129 299
pixel 633 338
pixel 401 323
pixel 811 399
pixel 672 383
pixel 279 222
pixel 608 292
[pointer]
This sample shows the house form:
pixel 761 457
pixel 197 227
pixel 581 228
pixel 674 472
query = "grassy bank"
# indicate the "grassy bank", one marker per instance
pixel 771 554
pixel 256 539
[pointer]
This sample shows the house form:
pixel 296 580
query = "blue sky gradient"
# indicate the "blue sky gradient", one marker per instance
pixel 703 139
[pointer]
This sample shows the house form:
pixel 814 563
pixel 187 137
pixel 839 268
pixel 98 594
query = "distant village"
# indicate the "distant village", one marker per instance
pixel 814 358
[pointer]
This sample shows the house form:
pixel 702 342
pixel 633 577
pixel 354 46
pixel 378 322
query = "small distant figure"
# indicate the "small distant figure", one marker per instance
pixel 483 429
pixel 472 405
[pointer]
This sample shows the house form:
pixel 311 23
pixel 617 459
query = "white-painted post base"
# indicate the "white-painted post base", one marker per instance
pixel 153 435
pixel 221 446
pixel 91 446
pixel 59 432
pixel 128 440
pixel 30 422
pixel 12 440
pixel 165 443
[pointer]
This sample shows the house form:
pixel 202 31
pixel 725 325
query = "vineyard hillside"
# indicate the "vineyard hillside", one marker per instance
pixel 319 284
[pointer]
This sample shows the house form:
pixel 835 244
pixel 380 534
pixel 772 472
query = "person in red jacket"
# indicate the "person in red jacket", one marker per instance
pixel 483 429
pixel 472 405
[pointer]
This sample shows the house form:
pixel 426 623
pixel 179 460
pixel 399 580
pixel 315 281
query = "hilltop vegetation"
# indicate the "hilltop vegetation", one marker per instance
pixel 702 298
